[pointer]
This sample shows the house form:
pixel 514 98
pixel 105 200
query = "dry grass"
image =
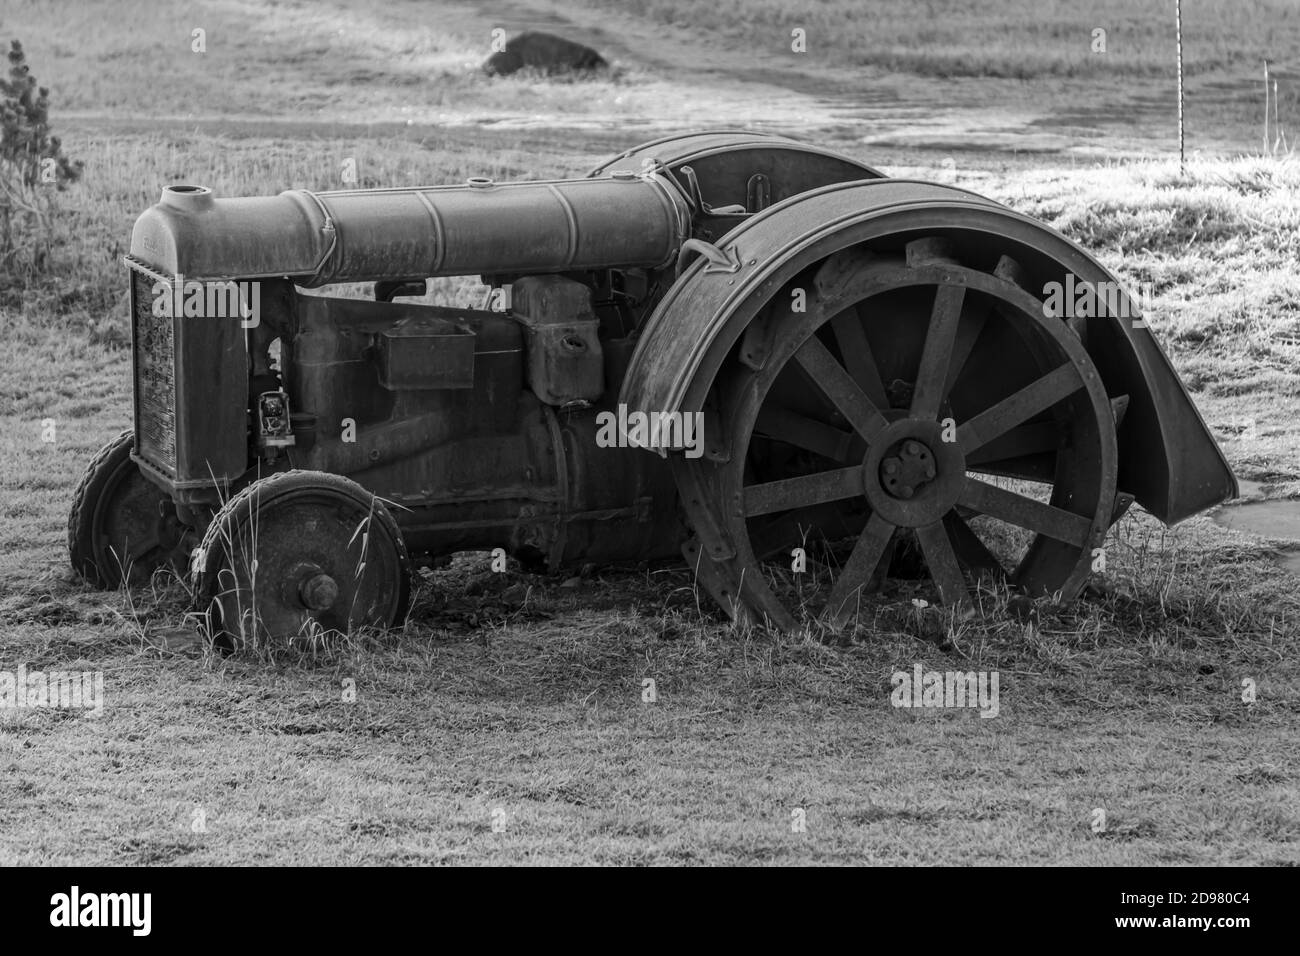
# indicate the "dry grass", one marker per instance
pixel 532 713
pixel 132 59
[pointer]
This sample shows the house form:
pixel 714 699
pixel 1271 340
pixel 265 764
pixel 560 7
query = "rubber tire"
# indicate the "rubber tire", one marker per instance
pixel 104 474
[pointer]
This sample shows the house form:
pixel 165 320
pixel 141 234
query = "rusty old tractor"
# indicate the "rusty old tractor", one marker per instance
pixel 805 378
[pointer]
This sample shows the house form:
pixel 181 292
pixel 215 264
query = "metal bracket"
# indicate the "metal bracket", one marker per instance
pixel 388 289
pixel 756 342
pixel 693 189
pixel 712 580
pixel 719 261
pixel 758 193
pixel 1118 408
pixel 930 250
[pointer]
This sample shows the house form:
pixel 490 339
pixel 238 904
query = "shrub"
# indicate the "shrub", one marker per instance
pixel 33 171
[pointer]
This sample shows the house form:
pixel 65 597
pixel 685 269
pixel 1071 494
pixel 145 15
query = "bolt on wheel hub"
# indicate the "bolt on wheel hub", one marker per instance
pixel 906 469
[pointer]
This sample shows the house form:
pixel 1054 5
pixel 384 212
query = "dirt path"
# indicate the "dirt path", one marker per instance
pixel 711 81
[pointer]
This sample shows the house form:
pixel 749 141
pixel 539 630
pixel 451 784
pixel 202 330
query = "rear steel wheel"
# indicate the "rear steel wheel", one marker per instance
pixel 298 554
pixel 914 405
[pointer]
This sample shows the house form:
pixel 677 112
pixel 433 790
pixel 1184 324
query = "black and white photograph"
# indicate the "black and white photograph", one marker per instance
pixel 561 433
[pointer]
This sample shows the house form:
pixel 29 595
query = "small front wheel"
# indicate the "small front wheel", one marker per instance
pixel 297 554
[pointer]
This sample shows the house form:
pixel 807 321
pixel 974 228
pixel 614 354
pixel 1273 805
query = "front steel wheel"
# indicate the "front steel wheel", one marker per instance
pixel 301 554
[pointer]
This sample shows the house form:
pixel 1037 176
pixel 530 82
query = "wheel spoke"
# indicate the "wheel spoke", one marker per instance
pixel 802 491
pixel 942 561
pixel 793 428
pixel 1025 512
pixel 971 551
pixel 1036 397
pixel 858 570
pixel 837 385
pixel 937 353
pixel 968 333
pixel 1034 438
pixel 858 358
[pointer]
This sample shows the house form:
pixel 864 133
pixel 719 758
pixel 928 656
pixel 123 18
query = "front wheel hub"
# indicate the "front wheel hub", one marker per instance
pixel 319 592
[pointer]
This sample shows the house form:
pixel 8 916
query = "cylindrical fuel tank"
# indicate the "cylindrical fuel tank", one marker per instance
pixel 480 227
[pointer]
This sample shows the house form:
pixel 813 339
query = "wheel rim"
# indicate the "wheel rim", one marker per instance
pixel 838 439
pixel 305 562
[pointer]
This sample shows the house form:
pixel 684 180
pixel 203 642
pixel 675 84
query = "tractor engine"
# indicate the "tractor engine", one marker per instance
pixel 476 427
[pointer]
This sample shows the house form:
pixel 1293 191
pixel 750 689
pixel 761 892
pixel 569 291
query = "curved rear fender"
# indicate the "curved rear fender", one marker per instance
pixel 1169 461
pixel 726 163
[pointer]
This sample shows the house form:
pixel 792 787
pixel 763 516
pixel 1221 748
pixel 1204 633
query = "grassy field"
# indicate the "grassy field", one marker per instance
pixel 1024 39
pixel 506 723
pixel 1031 62
pixel 1000 74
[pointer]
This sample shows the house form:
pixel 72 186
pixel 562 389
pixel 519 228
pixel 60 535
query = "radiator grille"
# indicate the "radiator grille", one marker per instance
pixel 155 376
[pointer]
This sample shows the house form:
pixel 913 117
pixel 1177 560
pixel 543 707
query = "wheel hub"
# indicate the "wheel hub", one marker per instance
pixel 910 475
pixel 319 592
pixel 907 468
